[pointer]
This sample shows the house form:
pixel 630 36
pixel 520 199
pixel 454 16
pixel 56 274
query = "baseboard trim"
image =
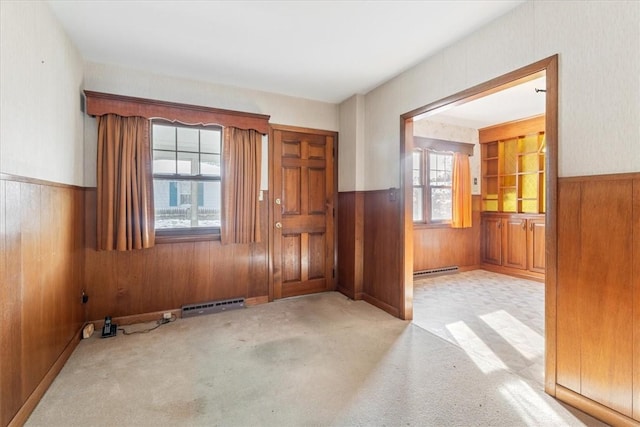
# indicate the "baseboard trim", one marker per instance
pixel 249 302
pixel 523 274
pixel 138 318
pixel 593 408
pixel 381 305
pixel 349 293
pixel 32 401
pixel 469 267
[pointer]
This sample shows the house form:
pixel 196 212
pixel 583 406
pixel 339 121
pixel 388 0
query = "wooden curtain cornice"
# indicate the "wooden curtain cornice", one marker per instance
pixel 99 104
pixel 443 145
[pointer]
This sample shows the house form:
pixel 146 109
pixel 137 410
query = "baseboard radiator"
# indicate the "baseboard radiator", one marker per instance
pixel 435 271
pixel 192 310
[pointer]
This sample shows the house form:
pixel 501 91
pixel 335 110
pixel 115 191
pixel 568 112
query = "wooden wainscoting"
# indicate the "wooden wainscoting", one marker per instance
pixel 350 243
pixel 382 263
pixel 435 247
pixel 598 293
pixel 170 275
pixel 41 250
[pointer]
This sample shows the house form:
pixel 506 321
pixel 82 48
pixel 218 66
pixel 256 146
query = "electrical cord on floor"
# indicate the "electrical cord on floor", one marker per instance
pixel 144 331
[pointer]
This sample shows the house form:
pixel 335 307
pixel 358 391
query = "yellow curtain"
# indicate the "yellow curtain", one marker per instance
pixel 461 191
pixel 241 161
pixel 125 197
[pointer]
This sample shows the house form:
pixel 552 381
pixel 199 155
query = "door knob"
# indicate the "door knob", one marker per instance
pixel 278 224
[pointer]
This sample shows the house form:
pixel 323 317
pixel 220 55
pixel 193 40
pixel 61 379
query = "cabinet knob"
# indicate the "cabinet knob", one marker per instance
pixel 278 225
pixel 524 224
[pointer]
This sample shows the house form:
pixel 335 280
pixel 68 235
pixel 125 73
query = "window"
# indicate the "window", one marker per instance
pixel 432 182
pixel 186 178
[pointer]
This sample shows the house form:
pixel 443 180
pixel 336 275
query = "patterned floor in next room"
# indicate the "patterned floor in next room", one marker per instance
pixel 497 319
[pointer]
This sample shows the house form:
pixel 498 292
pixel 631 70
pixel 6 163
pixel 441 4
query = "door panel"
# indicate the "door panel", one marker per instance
pixel 536 243
pixel 492 240
pixel 303 230
pixel 291 182
pixel 290 253
pixel 515 234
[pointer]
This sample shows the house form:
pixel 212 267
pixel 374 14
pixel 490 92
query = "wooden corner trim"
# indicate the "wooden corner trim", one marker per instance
pixel 395 312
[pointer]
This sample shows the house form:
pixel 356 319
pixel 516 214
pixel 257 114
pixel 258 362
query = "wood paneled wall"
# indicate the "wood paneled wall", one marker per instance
pixel 41 250
pixel 598 290
pixel 350 243
pixel 445 246
pixel 382 264
pixel 170 275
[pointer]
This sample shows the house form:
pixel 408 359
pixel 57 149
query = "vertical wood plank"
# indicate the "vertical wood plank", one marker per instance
pixel 605 293
pixel 11 353
pixel 241 267
pixel 636 299
pixel 35 241
pixel 346 243
pixel 568 289
pixel 128 270
pixel 198 291
pixel 382 249
pixel 182 263
pixel 258 285
pixel 222 262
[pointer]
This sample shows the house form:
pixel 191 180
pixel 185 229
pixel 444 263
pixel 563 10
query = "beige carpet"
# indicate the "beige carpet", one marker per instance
pixel 319 360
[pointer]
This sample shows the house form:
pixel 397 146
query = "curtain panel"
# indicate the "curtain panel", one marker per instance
pixel 125 214
pixel 461 191
pixel 241 162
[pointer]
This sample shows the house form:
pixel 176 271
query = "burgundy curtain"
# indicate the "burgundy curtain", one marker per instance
pixel 125 196
pixel 241 162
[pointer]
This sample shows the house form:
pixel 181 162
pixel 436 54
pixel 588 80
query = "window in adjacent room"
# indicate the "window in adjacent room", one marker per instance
pixel 186 178
pixel 432 186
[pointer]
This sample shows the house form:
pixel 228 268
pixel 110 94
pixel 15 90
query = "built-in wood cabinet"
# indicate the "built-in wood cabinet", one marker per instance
pixel 513 197
pixel 514 244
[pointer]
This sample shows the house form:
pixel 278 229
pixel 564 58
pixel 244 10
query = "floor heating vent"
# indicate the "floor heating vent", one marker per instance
pixel 211 307
pixel 436 271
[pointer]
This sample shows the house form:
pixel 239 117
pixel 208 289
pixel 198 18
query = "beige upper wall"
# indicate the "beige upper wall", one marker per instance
pixel 283 109
pixel 351 146
pixel 40 86
pixel 599 83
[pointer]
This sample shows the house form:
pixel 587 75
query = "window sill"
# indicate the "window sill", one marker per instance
pixel 173 237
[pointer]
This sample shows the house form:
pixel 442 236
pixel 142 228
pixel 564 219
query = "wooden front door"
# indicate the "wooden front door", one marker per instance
pixel 303 212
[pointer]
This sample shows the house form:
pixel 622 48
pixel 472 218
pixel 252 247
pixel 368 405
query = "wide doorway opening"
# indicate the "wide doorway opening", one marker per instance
pixel 485 283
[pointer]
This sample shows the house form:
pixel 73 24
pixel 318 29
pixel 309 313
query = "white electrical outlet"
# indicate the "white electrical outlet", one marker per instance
pixel 166 316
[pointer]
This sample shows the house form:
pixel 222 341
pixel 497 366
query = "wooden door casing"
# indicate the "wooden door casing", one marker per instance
pixel 303 212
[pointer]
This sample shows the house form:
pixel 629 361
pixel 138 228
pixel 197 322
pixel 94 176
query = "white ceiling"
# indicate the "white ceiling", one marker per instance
pixel 514 103
pixel 322 50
